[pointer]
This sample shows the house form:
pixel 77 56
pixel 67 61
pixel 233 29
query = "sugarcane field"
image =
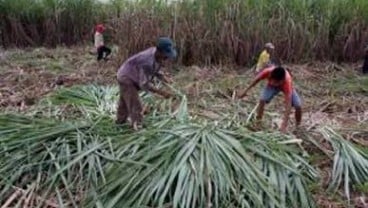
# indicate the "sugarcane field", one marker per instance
pixel 183 104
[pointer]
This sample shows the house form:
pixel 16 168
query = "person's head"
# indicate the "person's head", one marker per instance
pixel 165 50
pixel 100 28
pixel 269 47
pixel 278 75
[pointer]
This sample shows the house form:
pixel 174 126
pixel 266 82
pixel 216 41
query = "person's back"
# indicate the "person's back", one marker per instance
pixel 142 62
pixel 98 40
pixel 263 60
pixel 266 57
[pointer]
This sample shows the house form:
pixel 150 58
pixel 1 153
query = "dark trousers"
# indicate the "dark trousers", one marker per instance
pixel 129 104
pixel 365 65
pixel 103 52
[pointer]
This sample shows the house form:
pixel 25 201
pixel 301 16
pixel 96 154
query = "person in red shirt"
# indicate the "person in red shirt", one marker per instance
pixel 279 79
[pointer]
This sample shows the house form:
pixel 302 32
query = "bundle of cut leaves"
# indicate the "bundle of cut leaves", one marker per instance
pixel 350 164
pixel 95 102
pixel 283 165
pixel 196 165
pixel 174 162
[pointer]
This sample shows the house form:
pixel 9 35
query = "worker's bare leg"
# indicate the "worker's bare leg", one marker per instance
pixel 260 112
pixel 298 116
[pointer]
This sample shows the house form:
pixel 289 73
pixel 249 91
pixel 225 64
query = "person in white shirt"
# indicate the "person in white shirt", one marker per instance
pixel 102 51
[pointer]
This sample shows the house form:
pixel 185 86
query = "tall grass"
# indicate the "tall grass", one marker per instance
pixel 209 31
pixel 46 22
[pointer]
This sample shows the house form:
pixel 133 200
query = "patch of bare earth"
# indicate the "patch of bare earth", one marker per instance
pixel 23 84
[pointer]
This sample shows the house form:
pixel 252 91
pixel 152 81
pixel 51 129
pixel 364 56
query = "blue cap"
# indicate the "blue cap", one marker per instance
pixel 166 46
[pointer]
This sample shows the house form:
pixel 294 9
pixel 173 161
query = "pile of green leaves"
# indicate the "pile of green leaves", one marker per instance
pixel 350 164
pixel 176 161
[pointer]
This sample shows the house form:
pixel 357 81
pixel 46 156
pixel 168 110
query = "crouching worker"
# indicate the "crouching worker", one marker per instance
pixel 279 79
pixel 136 74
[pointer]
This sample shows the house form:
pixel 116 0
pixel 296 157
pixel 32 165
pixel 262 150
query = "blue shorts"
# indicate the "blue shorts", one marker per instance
pixel 269 92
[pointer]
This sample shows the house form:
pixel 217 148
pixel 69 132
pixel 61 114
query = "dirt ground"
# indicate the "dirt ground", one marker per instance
pixel 332 94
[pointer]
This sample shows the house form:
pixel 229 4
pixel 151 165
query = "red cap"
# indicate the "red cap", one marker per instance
pixel 100 28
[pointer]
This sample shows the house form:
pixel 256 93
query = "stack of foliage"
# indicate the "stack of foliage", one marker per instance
pixel 69 150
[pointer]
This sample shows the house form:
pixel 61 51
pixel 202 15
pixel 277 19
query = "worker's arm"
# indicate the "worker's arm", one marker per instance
pixel 163 77
pixel 145 83
pixel 254 83
pixel 158 91
pixel 263 75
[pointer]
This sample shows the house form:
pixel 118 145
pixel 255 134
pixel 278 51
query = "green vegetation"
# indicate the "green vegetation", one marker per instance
pixel 175 160
pixel 211 31
pixel 349 85
pixel 350 163
pixel 196 151
pixel 68 148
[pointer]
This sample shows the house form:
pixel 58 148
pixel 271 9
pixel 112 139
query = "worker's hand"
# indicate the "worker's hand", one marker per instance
pixel 167 79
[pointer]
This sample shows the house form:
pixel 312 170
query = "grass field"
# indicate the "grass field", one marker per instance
pixel 59 142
